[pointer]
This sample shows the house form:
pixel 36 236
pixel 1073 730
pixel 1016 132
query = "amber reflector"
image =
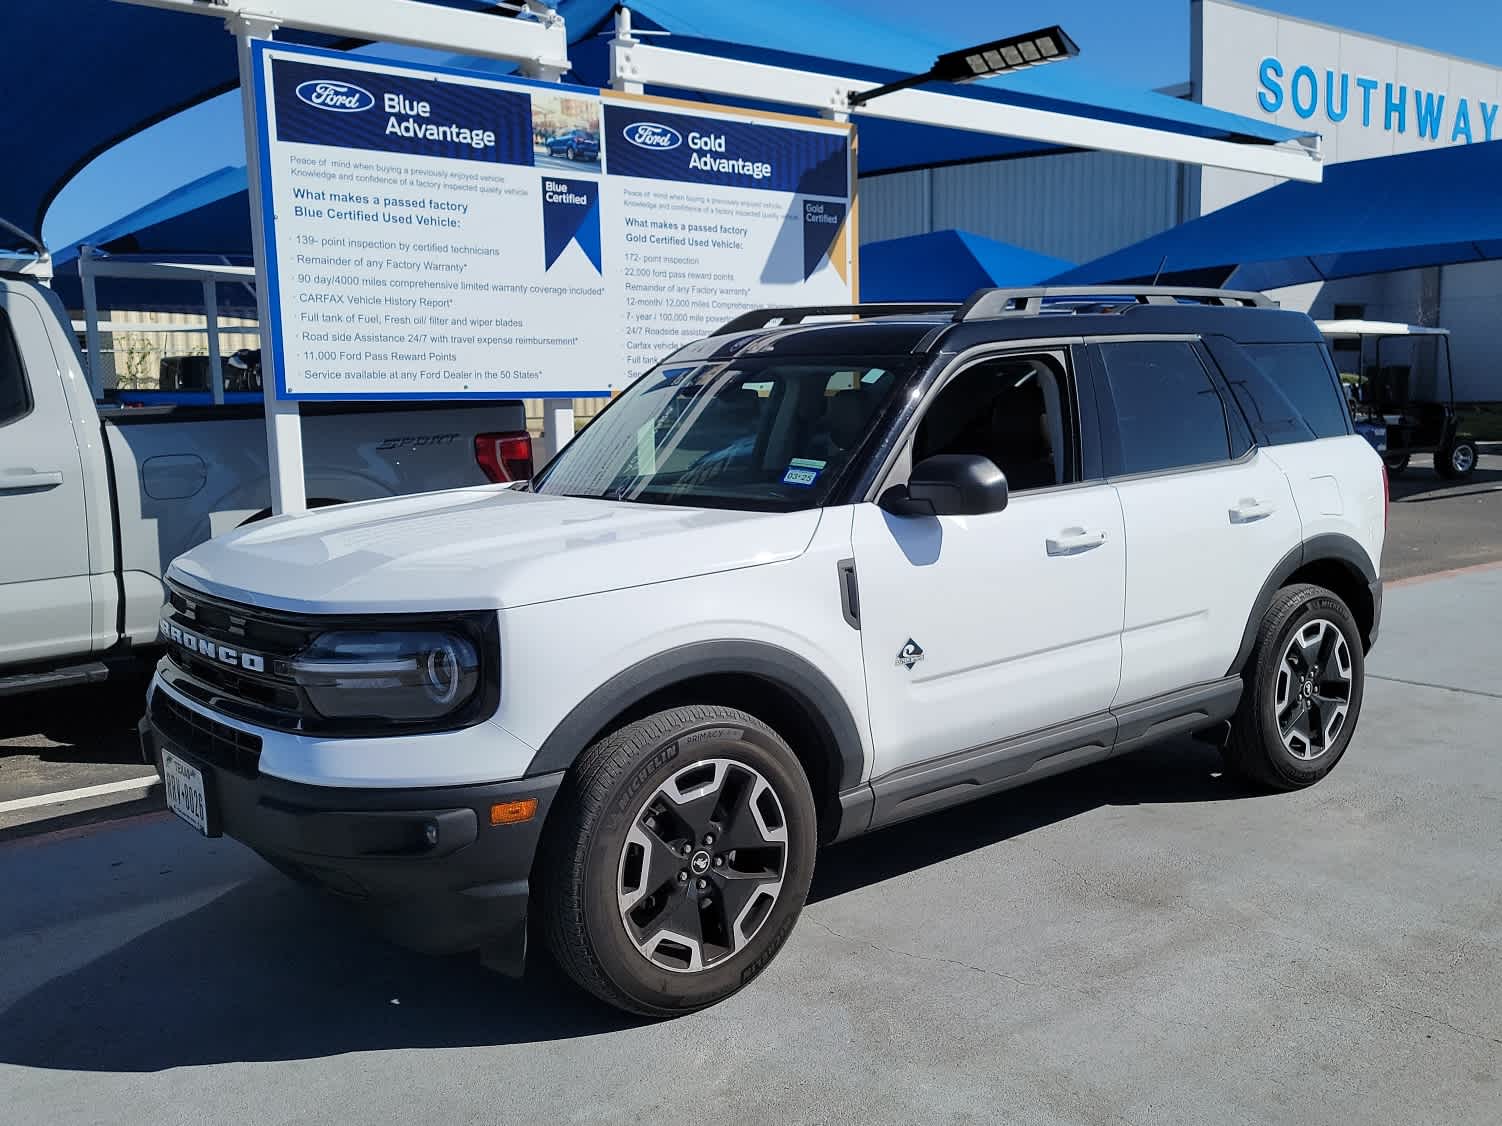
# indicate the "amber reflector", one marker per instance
pixel 511 812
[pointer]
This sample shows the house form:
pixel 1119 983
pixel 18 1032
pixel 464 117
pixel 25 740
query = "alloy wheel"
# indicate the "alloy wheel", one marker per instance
pixel 1463 459
pixel 702 865
pixel 1313 696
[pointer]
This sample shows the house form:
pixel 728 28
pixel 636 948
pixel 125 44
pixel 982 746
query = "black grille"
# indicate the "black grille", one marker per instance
pixel 224 746
pixel 274 693
pixel 265 696
pixel 235 659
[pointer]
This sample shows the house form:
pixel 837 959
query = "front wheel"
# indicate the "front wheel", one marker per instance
pixel 679 861
pixel 1303 691
pixel 1458 461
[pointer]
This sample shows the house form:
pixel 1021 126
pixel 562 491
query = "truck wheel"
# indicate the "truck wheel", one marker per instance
pixel 677 860
pixel 1458 461
pixel 1302 694
pixel 1397 464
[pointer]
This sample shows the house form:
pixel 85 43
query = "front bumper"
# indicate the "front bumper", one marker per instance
pixel 424 865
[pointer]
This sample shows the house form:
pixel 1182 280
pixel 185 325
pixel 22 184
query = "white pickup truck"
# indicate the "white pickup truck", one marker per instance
pixel 96 499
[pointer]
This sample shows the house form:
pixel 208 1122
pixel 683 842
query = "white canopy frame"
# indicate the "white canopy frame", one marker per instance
pixel 537 41
pixel 635 64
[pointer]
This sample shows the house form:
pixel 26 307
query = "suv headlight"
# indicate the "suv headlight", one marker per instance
pixel 398 675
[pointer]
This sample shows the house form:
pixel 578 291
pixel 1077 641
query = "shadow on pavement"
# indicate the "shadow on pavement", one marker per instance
pixel 1179 771
pixel 96 723
pixel 273 971
pixel 1421 484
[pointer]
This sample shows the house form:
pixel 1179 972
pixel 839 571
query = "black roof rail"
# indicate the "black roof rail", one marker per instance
pixel 1020 302
pixel 796 314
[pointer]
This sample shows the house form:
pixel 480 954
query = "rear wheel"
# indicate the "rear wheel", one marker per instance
pixel 1303 692
pixel 1458 461
pixel 679 861
pixel 1397 464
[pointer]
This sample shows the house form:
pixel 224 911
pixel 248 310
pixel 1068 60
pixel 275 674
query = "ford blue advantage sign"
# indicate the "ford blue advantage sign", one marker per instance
pixel 649 143
pixel 433 233
pixel 319 104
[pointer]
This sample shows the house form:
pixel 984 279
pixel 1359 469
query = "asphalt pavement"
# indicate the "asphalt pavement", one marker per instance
pixel 1140 942
pixel 1438 524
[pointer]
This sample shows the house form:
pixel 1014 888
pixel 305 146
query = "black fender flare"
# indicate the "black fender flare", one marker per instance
pixel 1331 545
pixel 785 670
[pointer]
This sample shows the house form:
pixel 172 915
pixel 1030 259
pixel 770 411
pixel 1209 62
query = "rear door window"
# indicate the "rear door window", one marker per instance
pixel 1167 410
pixel 1302 374
pixel 15 397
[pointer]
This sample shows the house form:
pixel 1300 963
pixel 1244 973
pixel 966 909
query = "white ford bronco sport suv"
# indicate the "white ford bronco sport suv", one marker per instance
pixel 802 580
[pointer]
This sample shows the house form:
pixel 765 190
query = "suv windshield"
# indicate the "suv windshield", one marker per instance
pixel 757 434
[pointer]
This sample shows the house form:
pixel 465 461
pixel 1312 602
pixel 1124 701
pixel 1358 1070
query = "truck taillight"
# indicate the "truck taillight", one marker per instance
pixel 1386 498
pixel 505 457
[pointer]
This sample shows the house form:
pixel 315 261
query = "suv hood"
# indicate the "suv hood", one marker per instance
pixel 480 548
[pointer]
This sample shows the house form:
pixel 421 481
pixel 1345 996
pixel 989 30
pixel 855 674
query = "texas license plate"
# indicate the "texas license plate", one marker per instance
pixel 185 794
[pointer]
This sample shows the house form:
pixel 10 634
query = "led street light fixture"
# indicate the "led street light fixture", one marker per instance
pixel 1016 52
pixel 1050 45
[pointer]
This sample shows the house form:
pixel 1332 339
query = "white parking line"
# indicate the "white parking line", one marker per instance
pixel 60 797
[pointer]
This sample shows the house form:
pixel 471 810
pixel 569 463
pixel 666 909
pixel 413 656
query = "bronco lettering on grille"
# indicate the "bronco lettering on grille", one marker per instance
pixel 205 647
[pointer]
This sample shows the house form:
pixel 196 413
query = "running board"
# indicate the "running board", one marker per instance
pixel 957 778
pixel 94 672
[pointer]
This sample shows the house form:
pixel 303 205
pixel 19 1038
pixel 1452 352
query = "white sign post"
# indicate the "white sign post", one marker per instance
pixel 289 490
pixel 539 44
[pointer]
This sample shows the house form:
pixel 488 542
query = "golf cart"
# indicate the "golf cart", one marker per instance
pixel 1397 381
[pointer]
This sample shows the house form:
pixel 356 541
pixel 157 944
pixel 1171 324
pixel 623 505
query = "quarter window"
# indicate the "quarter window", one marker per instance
pixel 1301 373
pixel 15 398
pixel 1168 412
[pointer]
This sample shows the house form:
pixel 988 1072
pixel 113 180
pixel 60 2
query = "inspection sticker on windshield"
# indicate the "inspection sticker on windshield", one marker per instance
pixel 802 472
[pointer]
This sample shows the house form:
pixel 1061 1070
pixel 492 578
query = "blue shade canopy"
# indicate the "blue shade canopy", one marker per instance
pixel 209 216
pixel 205 221
pixel 81 75
pixel 191 58
pixel 880 47
pixel 1368 216
pixel 947 266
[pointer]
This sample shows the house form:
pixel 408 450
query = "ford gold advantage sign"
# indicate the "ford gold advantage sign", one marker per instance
pixel 436 233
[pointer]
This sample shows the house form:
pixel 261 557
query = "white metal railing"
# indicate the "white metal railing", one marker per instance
pixel 93 265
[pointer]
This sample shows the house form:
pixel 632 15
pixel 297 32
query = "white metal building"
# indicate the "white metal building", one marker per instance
pixel 1366 96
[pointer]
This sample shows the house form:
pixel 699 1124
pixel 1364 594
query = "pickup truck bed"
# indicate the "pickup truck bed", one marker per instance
pixel 96 500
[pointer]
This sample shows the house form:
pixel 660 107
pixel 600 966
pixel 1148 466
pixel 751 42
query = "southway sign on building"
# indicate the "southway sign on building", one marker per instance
pixel 1327 94
pixel 1365 96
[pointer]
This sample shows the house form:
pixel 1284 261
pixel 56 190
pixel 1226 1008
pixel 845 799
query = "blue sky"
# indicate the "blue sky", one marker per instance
pixel 1139 43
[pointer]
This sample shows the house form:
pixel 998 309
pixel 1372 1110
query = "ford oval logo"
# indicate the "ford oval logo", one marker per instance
pixel 650 135
pixel 341 97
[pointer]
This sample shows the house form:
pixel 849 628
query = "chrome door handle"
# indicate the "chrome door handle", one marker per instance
pixel 17 480
pixel 1250 510
pixel 1073 541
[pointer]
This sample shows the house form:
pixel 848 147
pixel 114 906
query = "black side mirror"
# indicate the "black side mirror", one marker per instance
pixel 949 485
